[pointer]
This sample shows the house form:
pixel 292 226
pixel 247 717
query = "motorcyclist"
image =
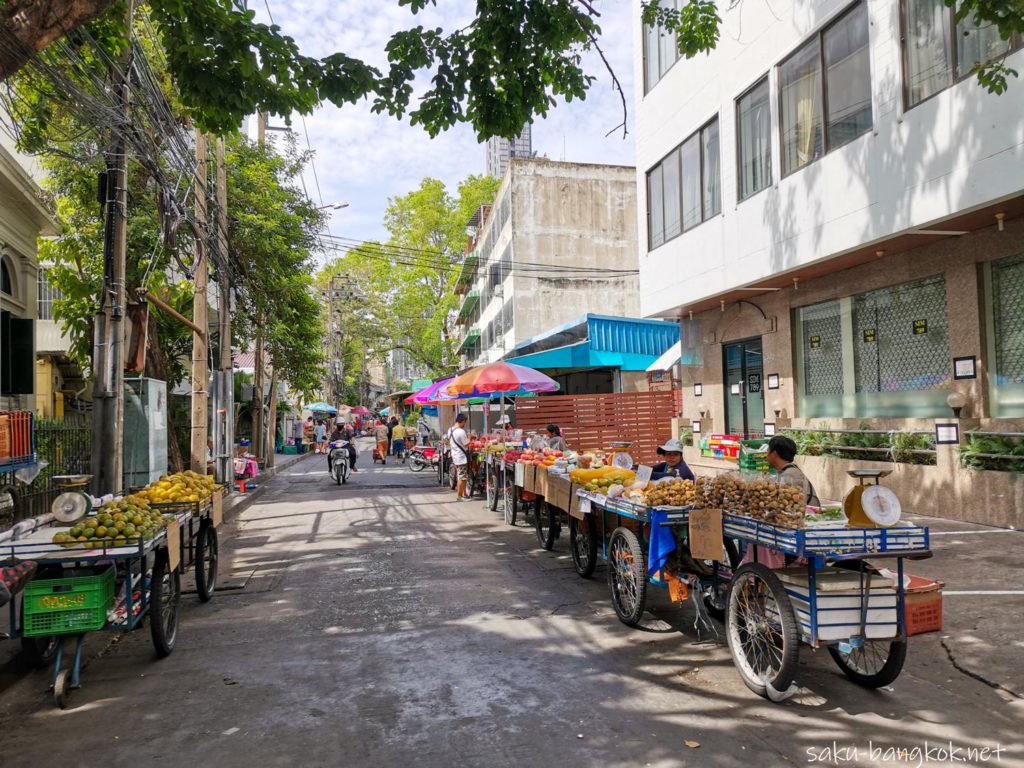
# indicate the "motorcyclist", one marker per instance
pixel 341 434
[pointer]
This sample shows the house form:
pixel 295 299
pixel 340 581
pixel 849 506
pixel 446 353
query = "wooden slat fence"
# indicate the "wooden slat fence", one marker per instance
pixel 593 422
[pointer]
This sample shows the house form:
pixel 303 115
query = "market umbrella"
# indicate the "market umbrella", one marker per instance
pixel 360 410
pixel 501 377
pixel 430 395
pixel 321 407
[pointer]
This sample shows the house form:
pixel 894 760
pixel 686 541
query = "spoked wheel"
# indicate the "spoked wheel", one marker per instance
pixel 164 596
pixel 492 490
pixel 62 688
pixel 716 599
pixel 583 544
pixel 762 630
pixel 511 504
pixel 416 463
pixel 545 520
pixel 627 576
pixel 874 664
pixel 207 549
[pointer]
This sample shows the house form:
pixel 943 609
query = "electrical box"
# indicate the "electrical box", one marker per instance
pixel 145 431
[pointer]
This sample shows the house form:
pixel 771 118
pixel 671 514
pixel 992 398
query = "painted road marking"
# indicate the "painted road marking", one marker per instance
pixel 983 591
pixel 971 533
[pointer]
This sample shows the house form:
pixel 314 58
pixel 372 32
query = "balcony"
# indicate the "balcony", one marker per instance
pixel 469 305
pixel 468 273
pixel 471 338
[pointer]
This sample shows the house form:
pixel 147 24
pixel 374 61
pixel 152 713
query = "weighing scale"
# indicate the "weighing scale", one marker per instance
pixel 620 456
pixel 75 502
pixel 871 505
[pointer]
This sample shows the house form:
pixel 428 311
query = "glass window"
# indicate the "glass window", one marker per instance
pixel 710 172
pixel 660 50
pixel 690 153
pixel 45 295
pixel 848 77
pixel 651 71
pixel 753 116
pixel 672 195
pixel 1004 304
pixel 801 109
pixel 926 48
pixel 668 49
pixel 976 45
pixel 656 207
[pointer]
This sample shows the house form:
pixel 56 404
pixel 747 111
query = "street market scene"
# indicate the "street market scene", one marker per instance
pixel 540 382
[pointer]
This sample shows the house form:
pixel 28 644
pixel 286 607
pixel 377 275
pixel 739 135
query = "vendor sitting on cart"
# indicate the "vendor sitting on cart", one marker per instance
pixel 673 465
pixel 781 452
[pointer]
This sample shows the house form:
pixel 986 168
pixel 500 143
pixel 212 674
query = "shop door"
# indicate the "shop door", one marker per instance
pixel 744 388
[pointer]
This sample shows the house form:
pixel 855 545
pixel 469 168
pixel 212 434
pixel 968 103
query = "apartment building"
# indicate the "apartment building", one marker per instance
pixel 830 204
pixel 558 241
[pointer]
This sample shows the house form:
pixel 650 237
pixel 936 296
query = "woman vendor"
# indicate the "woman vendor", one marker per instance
pixel 673 465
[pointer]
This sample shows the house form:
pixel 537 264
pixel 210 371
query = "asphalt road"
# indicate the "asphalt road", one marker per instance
pixel 381 624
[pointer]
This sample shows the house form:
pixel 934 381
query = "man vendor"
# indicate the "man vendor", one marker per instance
pixel 673 465
pixel 781 451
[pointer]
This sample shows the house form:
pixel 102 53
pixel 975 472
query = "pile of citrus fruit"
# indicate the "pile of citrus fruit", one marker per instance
pixel 179 487
pixel 116 524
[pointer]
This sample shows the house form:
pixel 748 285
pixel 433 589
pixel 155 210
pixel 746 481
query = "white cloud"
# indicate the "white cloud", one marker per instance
pixel 365 159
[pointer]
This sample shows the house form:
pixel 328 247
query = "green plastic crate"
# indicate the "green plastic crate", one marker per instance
pixel 76 603
pixel 289 450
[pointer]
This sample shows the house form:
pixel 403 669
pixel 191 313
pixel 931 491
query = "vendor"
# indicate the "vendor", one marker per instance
pixel 673 465
pixel 781 452
pixel 554 438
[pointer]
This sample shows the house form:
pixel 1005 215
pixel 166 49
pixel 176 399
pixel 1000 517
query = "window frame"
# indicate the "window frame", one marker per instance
pixel 648 87
pixel 1016 44
pixel 698 135
pixel 819 35
pixel 766 79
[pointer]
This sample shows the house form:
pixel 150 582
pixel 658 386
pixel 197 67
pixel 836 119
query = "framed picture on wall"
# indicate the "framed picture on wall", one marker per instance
pixel 698 390
pixel 965 367
pixel 773 381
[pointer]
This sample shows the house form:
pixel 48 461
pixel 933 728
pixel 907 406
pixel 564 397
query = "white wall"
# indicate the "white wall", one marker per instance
pixel 959 150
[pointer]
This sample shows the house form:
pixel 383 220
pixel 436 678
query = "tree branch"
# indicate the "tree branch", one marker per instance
pixel 28 26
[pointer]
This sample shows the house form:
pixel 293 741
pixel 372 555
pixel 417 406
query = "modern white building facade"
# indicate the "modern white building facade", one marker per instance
pixel 830 198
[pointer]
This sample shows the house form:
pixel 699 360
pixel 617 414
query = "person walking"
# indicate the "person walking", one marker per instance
pixel 458 442
pixel 423 430
pixel 321 437
pixel 398 441
pixel 381 435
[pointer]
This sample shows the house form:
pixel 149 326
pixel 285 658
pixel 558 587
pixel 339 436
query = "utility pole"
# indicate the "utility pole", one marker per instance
pixel 258 439
pixel 199 317
pixel 224 422
pixel 108 351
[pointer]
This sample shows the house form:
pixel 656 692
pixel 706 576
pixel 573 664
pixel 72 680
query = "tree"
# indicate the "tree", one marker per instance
pixel 507 66
pixel 409 298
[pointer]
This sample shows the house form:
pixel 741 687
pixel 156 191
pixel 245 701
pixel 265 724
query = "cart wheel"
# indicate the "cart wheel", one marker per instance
pixel 207 549
pixel 511 504
pixel 545 521
pixel 492 491
pixel 38 652
pixel 164 596
pixel 416 464
pixel 584 546
pixel 62 688
pixel 717 598
pixel 874 664
pixel 762 630
pixel 627 576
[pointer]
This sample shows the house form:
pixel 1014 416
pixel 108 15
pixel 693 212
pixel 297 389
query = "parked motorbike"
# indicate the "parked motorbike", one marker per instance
pixel 338 461
pixel 422 456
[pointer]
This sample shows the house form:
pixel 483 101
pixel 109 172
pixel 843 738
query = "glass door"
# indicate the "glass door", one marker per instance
pixel 744 388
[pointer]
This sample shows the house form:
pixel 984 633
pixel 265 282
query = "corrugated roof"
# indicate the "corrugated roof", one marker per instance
pixel 606 333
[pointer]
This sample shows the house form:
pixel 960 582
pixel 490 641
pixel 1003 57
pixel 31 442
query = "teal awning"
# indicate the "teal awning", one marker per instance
pixel 583 355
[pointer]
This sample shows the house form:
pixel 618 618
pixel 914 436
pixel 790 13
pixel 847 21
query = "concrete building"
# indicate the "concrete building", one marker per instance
pixel 558 242
pixel 500 151
pixel 831 206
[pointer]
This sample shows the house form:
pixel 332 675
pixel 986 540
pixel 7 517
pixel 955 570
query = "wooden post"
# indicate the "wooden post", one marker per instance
pixel 199 317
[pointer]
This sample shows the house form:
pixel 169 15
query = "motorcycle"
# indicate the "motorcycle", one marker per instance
pixel 338 461
pixel 422 456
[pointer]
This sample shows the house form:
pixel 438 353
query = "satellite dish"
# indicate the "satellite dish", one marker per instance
pixel 70 507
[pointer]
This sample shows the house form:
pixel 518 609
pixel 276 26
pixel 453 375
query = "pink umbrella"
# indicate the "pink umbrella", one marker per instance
pixel 501 377
pixel 435 393
pixel 361 410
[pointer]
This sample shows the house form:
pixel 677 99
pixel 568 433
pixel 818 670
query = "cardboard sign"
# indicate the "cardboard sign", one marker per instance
pixel 174 544
pixel 520 474
pixel 705 537
pixel 217 513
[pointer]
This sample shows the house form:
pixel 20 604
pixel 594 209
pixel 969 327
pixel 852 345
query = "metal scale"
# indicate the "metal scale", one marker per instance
pixel 75 502
pixel 870 505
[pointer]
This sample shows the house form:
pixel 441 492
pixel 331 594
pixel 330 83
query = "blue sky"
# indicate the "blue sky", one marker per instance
pixel 364 159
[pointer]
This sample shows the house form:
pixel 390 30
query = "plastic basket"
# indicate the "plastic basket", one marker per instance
pixel 922 606
pixel 73 604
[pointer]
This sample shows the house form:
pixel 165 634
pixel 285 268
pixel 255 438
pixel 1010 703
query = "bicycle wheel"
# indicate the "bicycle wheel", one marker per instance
pixel 164 597
pixel 511 504
pixel 716 599
pixel 416 462
pixel 874 664
pixel 583 544
pixel 207 549
pixel 492 489
pixel 761 629
pixel 545 521
pixel 627 576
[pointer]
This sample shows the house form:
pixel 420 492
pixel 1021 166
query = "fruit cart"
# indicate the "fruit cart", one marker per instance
pixel 92 585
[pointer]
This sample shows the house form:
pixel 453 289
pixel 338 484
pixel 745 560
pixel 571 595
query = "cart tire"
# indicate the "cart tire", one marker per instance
pixel 511 504
pixel 583 544
pixel 38 652
pixel 62 688
pixel 416 464
pixel 761 629
pixel 492 490
pixel 545 522
pixel 207 551
pixel 717 599
pixel 627 576
pixel 874 664
pixel 164 597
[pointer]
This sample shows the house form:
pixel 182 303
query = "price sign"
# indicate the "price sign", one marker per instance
pixel 217 514
pixel 584 506
pixel 174 544
pixel 520 471
pixel 643 474
pixel 706 534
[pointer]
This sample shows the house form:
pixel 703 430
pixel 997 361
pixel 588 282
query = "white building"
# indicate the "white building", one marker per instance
pixel 830 203
pixel 558 242
pixel 501 151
